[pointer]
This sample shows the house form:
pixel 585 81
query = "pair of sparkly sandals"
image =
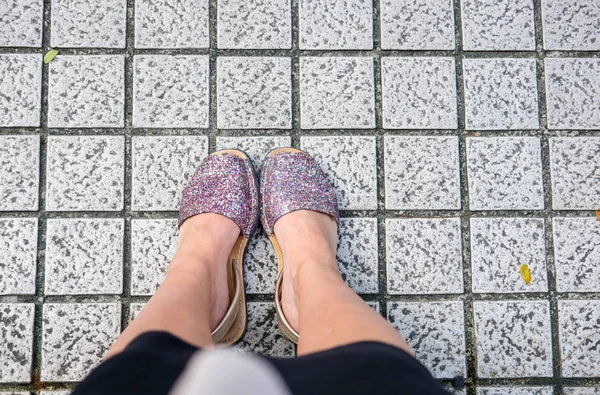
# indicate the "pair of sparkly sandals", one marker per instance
pixel 226 184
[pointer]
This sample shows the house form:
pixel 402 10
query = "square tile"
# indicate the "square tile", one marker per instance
pixel 153 245
pixel 419 93
pixel 21 90
pixel 500 94
pixel 254 93
pixel 505 173
pixel 515 391
pixel 424 256
pixel 85 173
pixel 351 164
pixel 357 254
pixel 579 331
pixel 86 91
pixel 75 337
pixel 260 265
pixel 21 23
pixel 571 25
pixel 575 173
pixel 254 24
pixel 581 390
pixel 262 335
pixel 375 306
pixel 16 342
pixel 573 93
pixel 18 255
pixel 134 310
pixel 513 339
pixel 170 91
pixel 417 24
pixel 54 392
pixel 162 167
pixel 84 256
pixel 337 93
pixel 504 25
pixel 500 246
pixel 256 148
pixel 171 24
pixel 19 173
pixel 435 332
pixel 422 173
pixel 331 24
pixel 576 254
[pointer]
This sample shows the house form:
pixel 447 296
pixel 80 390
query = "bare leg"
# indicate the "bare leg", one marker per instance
pixel 316 301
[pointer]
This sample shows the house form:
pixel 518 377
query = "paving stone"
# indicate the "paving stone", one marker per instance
pixel 351 164
pixel 260 265
pixel 15 393
pixel 337 93
pixel 87 23
pixel 513 339
pixel 134 310
pixel 20 91
pixel 85 173
pixel 153 245
pixel 419 93
pixel 515 391
pixel 254 93
pixel 500 94
pixel 162 167
pixel 21 23
pixel 500 246
pixel 256 148
pixel 75 337
pixel 424 256
pixel 575 173
pixel 86 91
pixel 54 392
pixel 171 24
pixel 18 255
pixel 579 335
pixel 576 254
pixel 374 306
pixel 571 25
pixel 262 334
pixel 19 173
pixel 421 173
pixel 357 254
pixel 505 173
pixel 581 390
pixel 84 256
pixel 572 93
pixel 170 91
pixel 505 25
pixel 254 24
pixel 435 332
pixel 417 24
pixel 16 342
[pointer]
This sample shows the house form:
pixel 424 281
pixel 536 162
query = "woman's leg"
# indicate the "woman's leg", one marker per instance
pixel 316 300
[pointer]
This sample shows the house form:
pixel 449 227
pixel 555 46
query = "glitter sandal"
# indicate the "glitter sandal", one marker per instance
pixel 226 184
pixel 291 180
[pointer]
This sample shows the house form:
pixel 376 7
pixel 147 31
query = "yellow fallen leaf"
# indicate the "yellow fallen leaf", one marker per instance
pixel 598 215
pixel 525 273
pixel 50 55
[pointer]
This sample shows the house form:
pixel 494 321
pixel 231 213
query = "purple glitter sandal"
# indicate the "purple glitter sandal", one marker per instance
pixel 291 180
pixel 225 184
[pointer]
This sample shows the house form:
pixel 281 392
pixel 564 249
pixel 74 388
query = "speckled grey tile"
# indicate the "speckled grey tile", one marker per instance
pixel 576 254
pixel 336 92
pixel 435 332
pixel 75 337
pixel 500 246
pixel 375 306
pixel 573 93
pixel 421 173
pixel 153 245
pixel 515 391
pixel 417 24
pixel 86 91
pixel 357 254
pixel 254 93
pixel 424 256
pixel 581 390
pixel 170 91
pixel 88 23
pixel 21 23
pixel 85 173
pixel 16 342
pixel 254 24
pixel 257 148
pixel 84 256
pixel 54 392
pixel 171 24
pixel 15 393
pixel 260 265
pixel 579 335
pixel 418 93
pixel 18 255
pixel 504 25
pixel 571 25
pixel 262 334
pixel 500 94
pixel 162 167
pixel 19 173
pixel 134 310
pixel 513 339
pixel 505 173
pixel 20 91
pixel 351 164
pixel 575 173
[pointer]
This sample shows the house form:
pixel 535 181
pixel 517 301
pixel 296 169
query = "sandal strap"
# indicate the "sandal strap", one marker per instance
pixel 234 308
pixel 284 325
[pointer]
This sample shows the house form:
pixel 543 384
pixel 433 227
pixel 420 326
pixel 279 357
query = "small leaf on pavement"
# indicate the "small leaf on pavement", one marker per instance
pixel 50 55
pixel 525 273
